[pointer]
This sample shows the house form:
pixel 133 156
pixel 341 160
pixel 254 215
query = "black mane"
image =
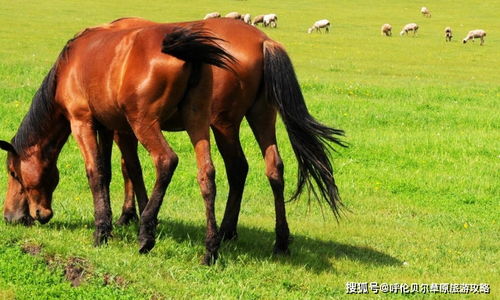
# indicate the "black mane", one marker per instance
pixel 36 121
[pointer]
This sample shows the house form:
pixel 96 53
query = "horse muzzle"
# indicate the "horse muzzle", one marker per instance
pixel 43 215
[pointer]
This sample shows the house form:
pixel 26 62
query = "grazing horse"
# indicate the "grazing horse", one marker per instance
pixel 259 85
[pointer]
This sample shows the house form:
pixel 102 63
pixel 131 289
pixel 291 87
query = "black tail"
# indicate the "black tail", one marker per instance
pixel 197 46
pixel 309 138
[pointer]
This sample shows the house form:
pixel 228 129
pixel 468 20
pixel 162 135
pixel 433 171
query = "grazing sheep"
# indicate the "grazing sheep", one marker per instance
pixel 320 24
pixel 425 12
pixel 409 27
pixel 247 19
pixel 386 30
pixel 474 34
pixel 258 19
pixel 212 15
pixel 233 15
pixel 271 20
pixel 448 34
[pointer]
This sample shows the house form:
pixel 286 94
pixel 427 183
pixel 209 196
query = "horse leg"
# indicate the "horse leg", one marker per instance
pixel 196 119
pixel 228 142
pixel 98 174
pixel 132 175
pixel 206 180
pixel 129 213
pixel 165 161
pixel 262 119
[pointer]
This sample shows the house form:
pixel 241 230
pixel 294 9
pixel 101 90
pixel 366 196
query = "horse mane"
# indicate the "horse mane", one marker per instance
pixel 42 110
pixel 35 122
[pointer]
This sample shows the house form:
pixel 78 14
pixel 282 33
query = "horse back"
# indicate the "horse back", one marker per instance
pixel 117 72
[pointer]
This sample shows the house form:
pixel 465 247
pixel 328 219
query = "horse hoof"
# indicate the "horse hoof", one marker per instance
pixel 147 235
pixel 146 245
pixel 101 237
pixel 209 259
pixel 284 251
pixel 229 236
pixel 127 218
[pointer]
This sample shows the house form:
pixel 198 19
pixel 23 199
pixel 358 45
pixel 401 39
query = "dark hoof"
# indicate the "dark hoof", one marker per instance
pixel 127 218
pixel 209 259
pixel 228 235
pixel 102 234
pixel 146 245
pixel 281 250
pixel 147 236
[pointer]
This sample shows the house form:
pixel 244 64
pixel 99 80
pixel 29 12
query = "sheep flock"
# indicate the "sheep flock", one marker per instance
pixel 271 20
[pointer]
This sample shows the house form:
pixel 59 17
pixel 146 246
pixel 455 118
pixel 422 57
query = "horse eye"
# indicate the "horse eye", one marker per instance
pixel 12 174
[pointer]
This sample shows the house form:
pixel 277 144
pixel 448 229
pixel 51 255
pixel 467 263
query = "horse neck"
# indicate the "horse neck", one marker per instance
pixel 48 145
pixel 52 144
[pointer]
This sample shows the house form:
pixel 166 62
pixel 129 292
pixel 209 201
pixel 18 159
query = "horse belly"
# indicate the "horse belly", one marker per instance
pixel 114 121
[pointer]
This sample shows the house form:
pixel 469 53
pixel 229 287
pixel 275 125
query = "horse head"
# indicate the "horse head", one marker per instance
pixel 31 182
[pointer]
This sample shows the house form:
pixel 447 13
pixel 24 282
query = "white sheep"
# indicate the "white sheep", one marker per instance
pixel 425 12
pixel 474 34
pixel 258 19
pixel 409 27
pixel 320 24
pixel 212 15
pixel 386 30
pixel 233 15
pixel 448 34
pixel 271 20
pixel 247 19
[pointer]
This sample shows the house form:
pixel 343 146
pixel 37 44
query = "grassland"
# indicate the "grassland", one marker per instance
pixel 420 179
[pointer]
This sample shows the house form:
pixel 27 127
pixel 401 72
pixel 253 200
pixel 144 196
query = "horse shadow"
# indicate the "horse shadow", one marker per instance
pixel 315 255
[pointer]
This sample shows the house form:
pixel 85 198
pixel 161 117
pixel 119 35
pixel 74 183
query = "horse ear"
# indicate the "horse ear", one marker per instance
pixel 7 147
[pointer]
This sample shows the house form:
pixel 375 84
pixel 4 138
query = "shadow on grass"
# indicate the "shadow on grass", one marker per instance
pixel 314 254
pixel 311 253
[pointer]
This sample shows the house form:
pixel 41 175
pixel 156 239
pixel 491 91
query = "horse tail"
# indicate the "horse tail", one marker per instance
pixel 197 46
pixel 309 138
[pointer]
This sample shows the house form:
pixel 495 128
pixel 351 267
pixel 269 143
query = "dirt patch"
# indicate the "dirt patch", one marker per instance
pixel 157 296
pixel 109 279
pixel 31 249
pixel 75 270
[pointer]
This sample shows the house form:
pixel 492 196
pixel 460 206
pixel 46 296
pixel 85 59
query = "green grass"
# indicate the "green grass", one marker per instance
pixel 420 179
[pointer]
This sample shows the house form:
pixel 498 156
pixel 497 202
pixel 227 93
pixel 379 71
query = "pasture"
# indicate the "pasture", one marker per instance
pixel 420 180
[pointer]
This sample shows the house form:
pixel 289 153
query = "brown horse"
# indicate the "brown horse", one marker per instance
pixel 262 83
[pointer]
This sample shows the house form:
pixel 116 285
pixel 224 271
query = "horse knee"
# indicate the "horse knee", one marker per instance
pixel 237 170
pixel 206 180
pixel 274 172
pixel 243 167
pixel 96 179
pixel 166 166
